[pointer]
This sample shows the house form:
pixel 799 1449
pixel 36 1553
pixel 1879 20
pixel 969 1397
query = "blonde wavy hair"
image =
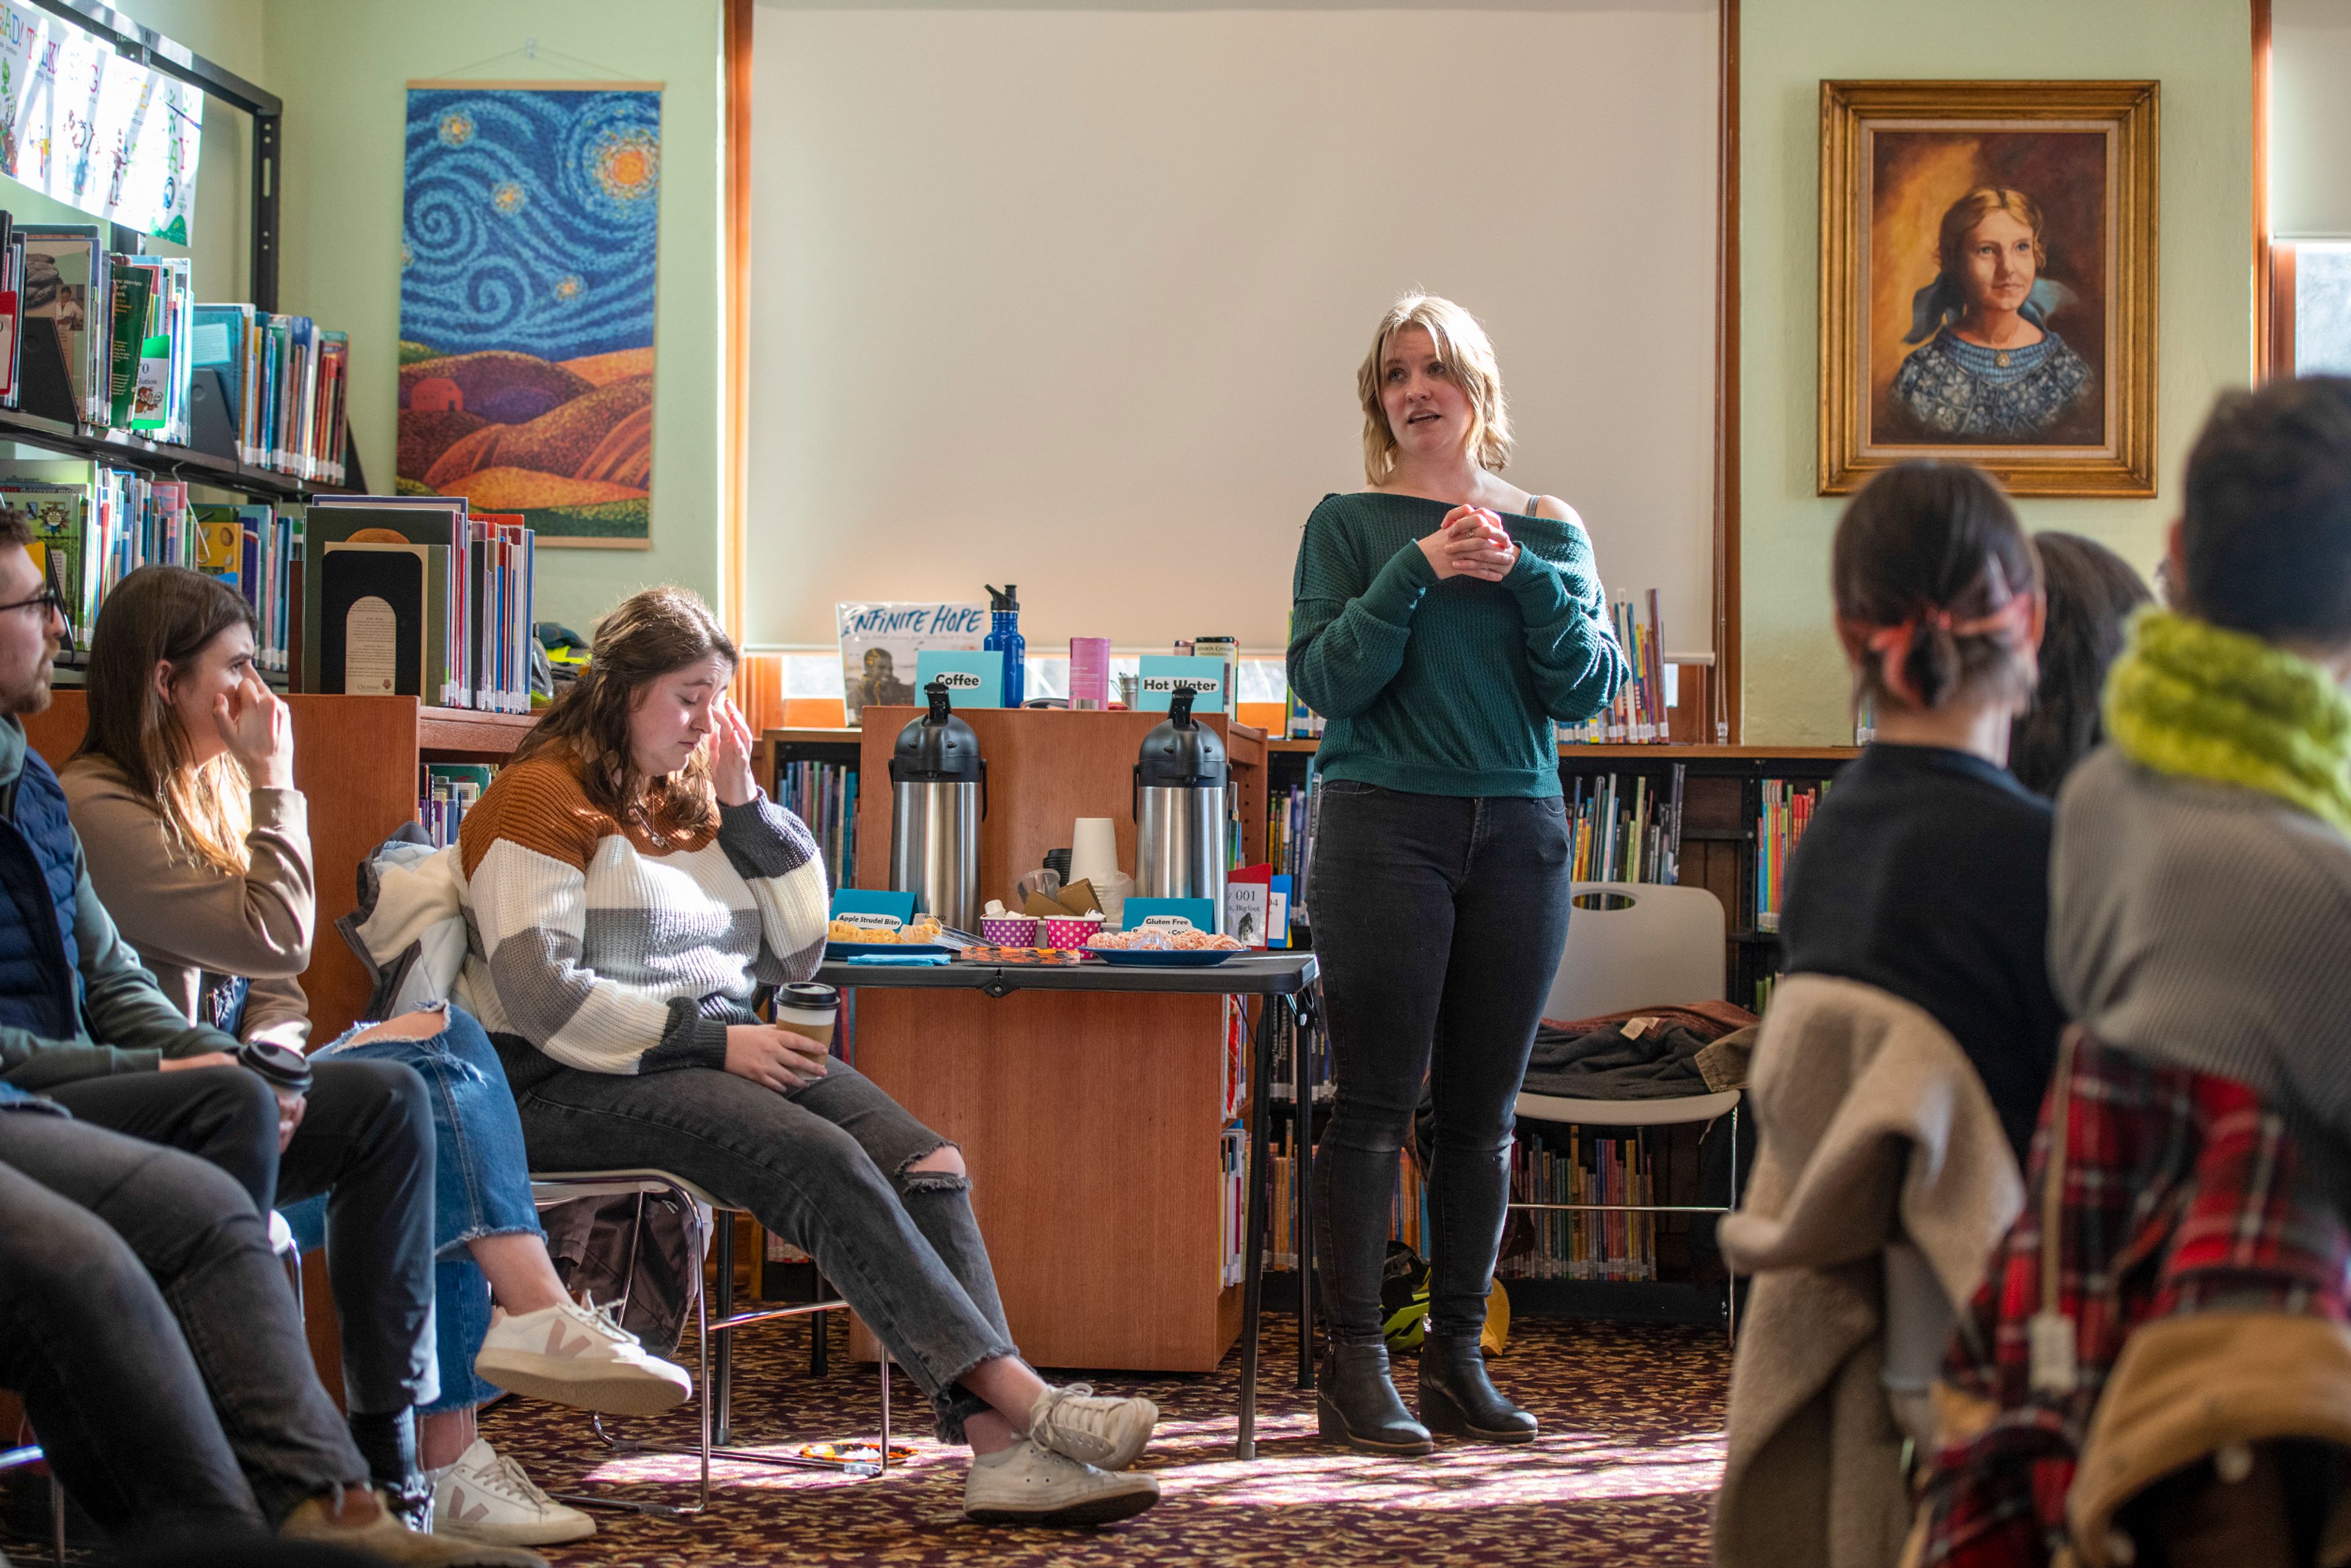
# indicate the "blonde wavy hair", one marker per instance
pixel 1467 356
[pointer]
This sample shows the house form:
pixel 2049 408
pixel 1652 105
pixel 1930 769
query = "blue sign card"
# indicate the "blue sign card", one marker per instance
pixel 871 906
pixel 974 678
pixel 1199 913
pixel 1163 673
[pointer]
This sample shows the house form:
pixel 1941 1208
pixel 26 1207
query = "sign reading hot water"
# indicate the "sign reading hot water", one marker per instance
pixel 94 129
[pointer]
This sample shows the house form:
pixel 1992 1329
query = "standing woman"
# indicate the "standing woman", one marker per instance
pixel 1444 620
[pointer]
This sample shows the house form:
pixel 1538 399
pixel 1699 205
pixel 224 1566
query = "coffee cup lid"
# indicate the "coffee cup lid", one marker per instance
pixel 809 994
pixel 280 1066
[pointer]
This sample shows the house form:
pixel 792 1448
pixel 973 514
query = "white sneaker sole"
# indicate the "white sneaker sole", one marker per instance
pixel 604 1389
pixel 1105 1507
pixel 553 1533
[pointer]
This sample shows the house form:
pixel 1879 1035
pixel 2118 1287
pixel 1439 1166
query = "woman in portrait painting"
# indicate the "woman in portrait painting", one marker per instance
pixel 1989 367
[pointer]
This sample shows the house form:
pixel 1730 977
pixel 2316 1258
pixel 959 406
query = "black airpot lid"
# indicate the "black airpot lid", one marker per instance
pixel 936 749
pixel 1181 754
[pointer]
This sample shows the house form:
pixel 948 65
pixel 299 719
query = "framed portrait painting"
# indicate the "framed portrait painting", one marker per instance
pixel 1988 282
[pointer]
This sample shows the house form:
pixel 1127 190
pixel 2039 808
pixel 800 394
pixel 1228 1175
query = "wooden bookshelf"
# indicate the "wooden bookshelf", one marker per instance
pixel 1678 752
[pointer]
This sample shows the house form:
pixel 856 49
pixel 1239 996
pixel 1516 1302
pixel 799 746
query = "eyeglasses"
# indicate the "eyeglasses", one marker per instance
pixel 51 601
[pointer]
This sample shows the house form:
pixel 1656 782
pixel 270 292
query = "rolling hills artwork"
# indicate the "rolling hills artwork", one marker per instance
pixel 527 303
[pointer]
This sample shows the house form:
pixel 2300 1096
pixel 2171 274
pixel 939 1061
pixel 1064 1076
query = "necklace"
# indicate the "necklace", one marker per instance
pixel 652 835
pixel 2000 359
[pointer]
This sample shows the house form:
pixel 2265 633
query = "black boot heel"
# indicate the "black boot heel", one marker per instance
pixel 1359 1406
pixel 1458 1399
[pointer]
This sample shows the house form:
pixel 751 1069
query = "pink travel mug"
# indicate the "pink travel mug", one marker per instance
pixel 1090 673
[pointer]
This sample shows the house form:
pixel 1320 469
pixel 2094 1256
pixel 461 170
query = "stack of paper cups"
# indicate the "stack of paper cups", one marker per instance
pixel 1093 850
pixel 1111 895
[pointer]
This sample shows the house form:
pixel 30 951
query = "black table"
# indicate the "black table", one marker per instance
pixel 1284 979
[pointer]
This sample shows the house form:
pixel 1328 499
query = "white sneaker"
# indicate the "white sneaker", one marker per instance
pixel 1028 1485
pixel 582 1357
pixel 1077 1423
pixel 485 1496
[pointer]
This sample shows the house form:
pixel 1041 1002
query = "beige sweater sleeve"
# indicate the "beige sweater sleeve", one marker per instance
pixel 177 911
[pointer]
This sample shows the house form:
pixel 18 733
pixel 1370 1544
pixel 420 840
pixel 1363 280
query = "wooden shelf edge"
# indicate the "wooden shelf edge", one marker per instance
pixel 468 731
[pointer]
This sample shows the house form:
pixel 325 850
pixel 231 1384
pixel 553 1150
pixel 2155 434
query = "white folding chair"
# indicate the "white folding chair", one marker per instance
pixel 1638 945
pixel 716 1400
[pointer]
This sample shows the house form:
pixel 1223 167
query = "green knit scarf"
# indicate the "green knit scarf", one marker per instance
pixel 2198 701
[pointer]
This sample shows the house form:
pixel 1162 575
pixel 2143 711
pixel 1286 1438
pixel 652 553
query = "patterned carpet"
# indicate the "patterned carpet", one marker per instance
pixel 1631 1450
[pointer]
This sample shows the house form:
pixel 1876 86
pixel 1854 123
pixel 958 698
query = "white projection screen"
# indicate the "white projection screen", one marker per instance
pixel 1074 296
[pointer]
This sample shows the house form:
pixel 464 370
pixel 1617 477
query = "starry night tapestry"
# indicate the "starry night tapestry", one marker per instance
pixel 527 303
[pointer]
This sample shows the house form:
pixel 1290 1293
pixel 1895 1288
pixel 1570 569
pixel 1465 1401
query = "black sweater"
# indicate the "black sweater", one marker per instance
pixel 1926 873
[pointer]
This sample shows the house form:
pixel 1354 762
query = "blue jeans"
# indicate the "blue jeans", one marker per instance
pixel 481 1183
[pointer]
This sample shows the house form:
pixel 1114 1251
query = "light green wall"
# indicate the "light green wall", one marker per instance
pixel 2199 50
pixel 343 66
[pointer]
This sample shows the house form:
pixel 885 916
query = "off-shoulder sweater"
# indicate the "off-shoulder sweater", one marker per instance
pixel 1445 687
pixel 629 947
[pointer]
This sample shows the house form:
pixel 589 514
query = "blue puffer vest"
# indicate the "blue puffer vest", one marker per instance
pixel 40 979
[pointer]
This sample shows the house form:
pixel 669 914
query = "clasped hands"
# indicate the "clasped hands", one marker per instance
pixel 1471 542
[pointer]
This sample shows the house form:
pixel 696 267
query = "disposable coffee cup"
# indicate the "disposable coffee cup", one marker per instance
pixel 284 1070
pixel 808 1009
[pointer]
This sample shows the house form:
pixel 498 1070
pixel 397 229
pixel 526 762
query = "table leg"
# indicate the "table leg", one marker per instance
pixel 1260 1080
pixel 1301 1100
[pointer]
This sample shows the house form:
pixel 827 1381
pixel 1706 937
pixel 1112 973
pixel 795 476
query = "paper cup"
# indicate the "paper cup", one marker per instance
pixel 1009 930
pixel 808 1009
pixel 1093 850
pixel 1071 932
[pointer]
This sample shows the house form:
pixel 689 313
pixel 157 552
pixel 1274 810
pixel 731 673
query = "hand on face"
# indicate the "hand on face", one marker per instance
pixel 259 730
pixel 730 755
pixel 1470 542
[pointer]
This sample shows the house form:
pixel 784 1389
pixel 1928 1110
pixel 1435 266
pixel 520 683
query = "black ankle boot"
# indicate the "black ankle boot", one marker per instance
pixel 1457 1399
pixel 1358 1404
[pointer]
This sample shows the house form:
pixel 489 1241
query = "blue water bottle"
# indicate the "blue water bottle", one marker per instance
pixel 1004 634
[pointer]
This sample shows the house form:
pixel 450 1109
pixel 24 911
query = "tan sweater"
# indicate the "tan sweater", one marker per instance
pixel 187 920
pixel 1872 1129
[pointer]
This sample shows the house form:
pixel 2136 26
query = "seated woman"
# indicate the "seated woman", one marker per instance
pixel 630 894
pixel 2092 593
pixel 1925 871
pixel 183 794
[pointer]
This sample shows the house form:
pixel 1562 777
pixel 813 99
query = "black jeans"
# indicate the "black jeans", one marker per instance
pixel 825 1167
pixel 366 1139
pixel 1439 922
pixel 154 1337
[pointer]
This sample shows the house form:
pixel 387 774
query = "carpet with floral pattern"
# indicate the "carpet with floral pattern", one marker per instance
pixel 1623 1473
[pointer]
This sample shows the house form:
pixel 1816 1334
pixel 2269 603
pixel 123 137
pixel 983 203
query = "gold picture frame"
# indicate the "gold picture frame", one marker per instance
pixel 1988 282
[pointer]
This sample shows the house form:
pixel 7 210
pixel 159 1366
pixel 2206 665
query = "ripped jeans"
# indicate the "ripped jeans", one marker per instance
pixel 481 1186
pixel 825 1167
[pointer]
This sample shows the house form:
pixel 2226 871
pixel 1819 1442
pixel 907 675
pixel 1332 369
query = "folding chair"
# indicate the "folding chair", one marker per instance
pixel 1637 944
pixel 717 1399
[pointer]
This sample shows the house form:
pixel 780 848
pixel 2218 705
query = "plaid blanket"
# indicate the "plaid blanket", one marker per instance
pixel 2178 1195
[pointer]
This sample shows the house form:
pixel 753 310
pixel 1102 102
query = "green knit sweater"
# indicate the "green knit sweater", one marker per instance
pixel 1450 687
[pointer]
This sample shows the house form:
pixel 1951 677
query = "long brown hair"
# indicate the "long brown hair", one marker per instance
pixel 653 633
pixel 168 615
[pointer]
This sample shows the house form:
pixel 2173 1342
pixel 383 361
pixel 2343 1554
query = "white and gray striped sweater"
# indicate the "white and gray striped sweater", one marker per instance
pixel 618 949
